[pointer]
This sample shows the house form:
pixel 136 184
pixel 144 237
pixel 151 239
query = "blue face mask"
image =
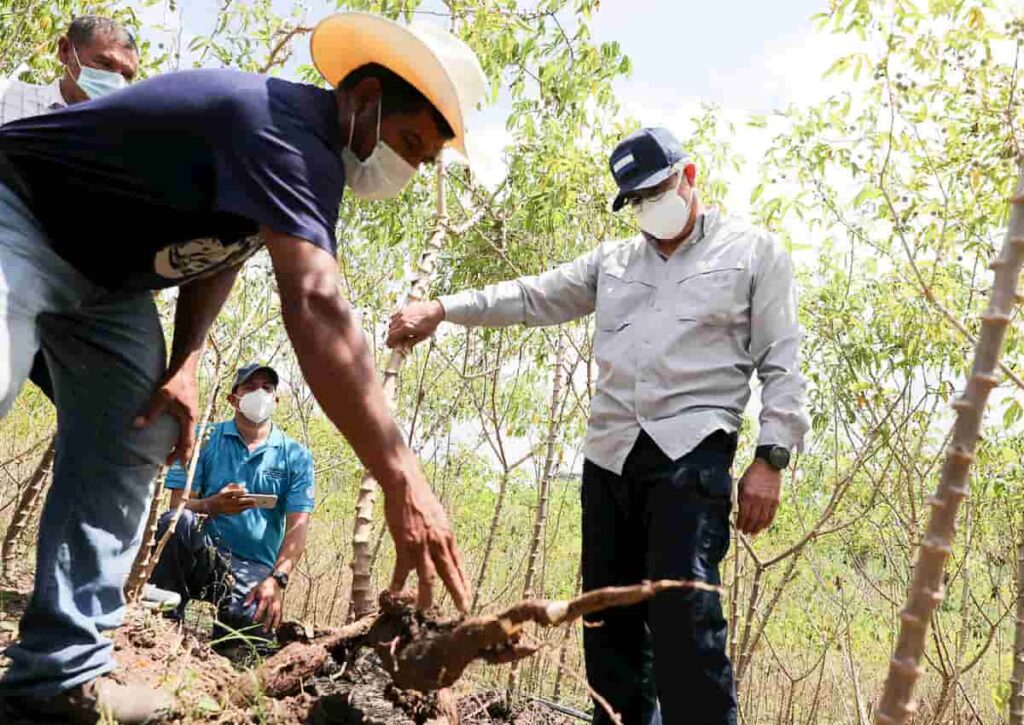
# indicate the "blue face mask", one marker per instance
pixel 95 82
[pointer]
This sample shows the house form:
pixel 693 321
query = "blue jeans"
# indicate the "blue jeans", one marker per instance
pixel 661 519
pixel 194 566
pixel 105 353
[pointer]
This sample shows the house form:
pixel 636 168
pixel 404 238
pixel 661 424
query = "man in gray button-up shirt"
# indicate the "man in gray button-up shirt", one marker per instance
pixel 685 313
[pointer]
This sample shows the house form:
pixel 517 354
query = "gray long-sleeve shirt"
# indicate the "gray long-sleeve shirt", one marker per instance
pixel 677 338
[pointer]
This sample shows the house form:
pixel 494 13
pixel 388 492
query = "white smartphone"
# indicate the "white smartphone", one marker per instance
pixel 263 500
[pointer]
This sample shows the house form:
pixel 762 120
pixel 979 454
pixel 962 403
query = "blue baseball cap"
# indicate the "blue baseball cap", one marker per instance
pixel 644 159
pixel 247 371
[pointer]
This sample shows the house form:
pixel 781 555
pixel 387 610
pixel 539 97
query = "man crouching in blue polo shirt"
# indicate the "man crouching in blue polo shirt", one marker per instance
pixel 234 546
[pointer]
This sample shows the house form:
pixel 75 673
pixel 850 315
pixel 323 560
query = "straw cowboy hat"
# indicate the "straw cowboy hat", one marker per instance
pixel 435 62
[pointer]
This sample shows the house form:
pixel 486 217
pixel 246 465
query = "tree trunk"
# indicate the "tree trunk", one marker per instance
pixel 563 649
pixel 846 647
pixel 361 601
pixel 926 590
pixel 548 469
pixel 492 534
pixel 1017 678
pixel 145 561
pixel 23 511
pixel 543 487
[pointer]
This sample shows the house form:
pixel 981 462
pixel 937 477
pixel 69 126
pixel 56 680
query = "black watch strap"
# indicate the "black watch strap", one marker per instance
pixel 775 456
pixel 281 578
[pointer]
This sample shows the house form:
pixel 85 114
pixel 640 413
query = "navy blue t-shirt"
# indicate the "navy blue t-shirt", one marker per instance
pixel 170 178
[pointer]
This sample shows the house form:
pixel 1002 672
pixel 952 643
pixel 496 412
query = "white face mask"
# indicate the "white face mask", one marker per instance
pixel 666 217
pixel 382 175
pixel 257 405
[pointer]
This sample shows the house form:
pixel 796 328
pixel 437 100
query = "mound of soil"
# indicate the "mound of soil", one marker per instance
pixel 353 687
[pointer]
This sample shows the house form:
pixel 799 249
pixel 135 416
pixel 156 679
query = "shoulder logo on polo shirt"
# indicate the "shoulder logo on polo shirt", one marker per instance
pixel 203 256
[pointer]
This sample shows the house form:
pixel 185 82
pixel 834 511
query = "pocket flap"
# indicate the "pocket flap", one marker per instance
pixel 712 274
pixel 717 295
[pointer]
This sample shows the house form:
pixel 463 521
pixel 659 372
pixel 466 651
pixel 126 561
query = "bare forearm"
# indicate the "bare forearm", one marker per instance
pixel 198 505
pixel 195 504
pixel 335 360
pixel 336 363
pixel 294 544
pixel 199 302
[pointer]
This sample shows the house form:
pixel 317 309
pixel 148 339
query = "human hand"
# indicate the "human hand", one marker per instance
pixel 268 596
pixel 177 396
pixel 423 539
pixel 760 490
pixel 230 500
pixel 414 323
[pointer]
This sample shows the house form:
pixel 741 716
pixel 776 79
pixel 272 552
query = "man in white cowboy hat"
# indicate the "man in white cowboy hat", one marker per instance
pixel 213 153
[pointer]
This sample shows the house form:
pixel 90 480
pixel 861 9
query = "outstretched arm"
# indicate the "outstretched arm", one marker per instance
pixel 565 293
pixel 336 363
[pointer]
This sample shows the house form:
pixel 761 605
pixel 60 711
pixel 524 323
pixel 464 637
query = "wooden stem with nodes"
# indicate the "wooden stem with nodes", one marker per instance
pixel 362 600
pixel 23 510
pixel 548 471
pixel 1017 676
pixel 926 589
pixel 145 560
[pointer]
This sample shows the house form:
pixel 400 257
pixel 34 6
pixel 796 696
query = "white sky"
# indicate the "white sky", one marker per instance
pixel 733 52
pixel 747 56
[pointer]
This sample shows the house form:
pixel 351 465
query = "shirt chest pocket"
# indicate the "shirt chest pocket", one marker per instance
pixel 619 300
pixel 272 480
pixel 716 296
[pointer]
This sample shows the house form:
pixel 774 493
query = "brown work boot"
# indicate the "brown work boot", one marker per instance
pixel 95 700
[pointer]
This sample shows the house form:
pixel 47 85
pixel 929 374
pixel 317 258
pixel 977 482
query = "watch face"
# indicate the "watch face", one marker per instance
pixel 778 457
pixel 282 579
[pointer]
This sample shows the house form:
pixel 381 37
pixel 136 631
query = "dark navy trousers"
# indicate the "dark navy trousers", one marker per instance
pixel 660 519
pixel 194 566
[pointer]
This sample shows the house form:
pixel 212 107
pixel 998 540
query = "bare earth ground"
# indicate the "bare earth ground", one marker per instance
pixel 153 651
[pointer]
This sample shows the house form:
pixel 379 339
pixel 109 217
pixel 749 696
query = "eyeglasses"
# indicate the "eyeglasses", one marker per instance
pixel 655 193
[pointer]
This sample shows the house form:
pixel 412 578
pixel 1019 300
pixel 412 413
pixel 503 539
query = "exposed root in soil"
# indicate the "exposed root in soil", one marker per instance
pixel 417 653
pixel 394 667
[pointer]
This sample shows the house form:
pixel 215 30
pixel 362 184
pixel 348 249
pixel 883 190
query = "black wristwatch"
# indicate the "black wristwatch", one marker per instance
pixel 775 456
pixel 281 578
